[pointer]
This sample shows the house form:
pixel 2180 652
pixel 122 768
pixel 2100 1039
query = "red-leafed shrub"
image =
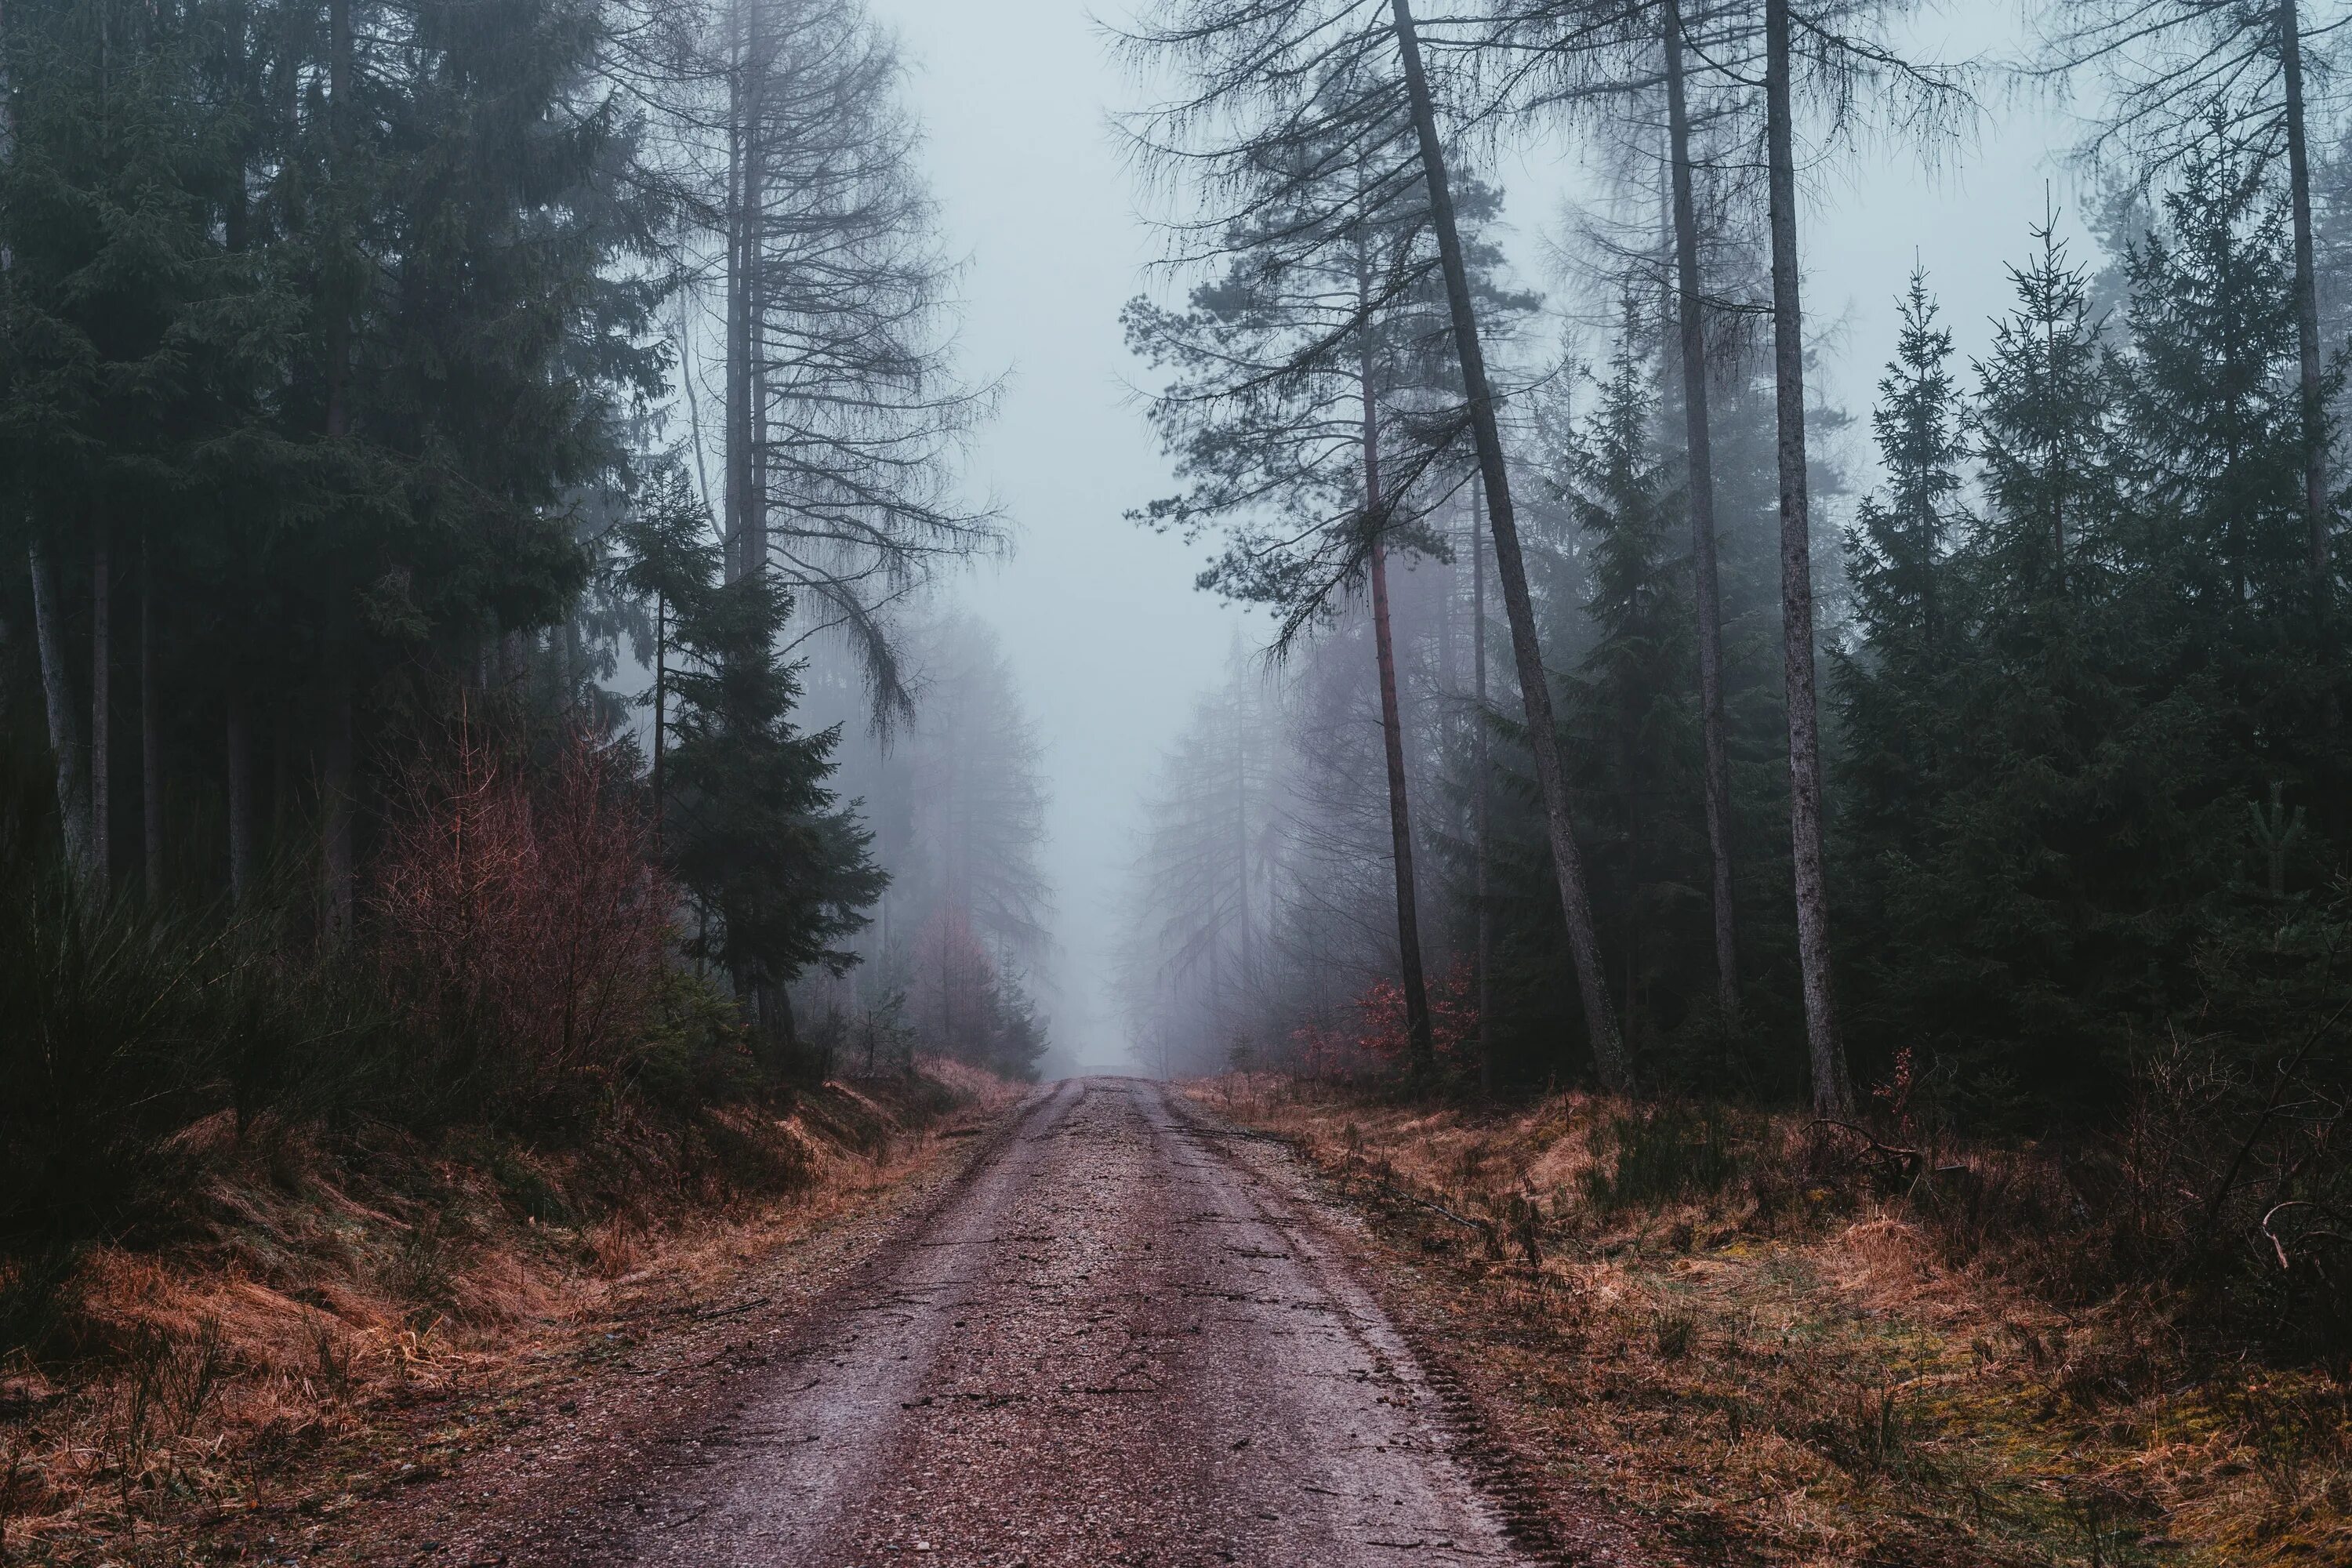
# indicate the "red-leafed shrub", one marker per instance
pixel 1376 1038
pixel 521 922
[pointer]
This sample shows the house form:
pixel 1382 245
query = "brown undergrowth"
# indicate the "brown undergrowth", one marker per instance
pixel 321 1284
pixel 1779 1347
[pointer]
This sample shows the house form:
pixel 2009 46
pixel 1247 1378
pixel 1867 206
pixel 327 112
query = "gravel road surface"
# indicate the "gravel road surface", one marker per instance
pixel 1129 1337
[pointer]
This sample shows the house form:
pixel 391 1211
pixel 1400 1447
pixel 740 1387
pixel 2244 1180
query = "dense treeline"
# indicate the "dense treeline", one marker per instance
pixel 433 437
pixel 1995 790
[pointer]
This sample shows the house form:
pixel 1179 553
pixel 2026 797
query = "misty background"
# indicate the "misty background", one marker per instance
pixel 1110 642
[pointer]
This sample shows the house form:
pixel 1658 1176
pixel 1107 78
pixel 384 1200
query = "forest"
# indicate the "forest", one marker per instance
pixel 1623 723
pixel 487 488
pixel 407 707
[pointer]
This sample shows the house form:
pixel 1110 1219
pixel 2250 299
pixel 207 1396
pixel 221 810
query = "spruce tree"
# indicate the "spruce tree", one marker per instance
pixel 1910 611
pixel 1633 700
pixel 779 871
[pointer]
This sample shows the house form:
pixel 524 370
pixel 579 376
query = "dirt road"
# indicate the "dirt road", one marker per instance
pixel 1128 1337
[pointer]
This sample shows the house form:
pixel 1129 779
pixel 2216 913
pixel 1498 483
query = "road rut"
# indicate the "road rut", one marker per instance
pixel 1124 1340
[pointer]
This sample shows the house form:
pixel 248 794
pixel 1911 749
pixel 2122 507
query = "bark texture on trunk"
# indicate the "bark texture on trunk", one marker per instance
pixel 339 809
pixel 243 823
pixel 661 707
pixel 1484 799
pixel 339 128
pixel 1698 443
pixel 2306 311
pixel 1609 1057
pixel 745 543
pixel 65 723
pixel 101 707
pixel 1419 1043
pixel 1832 1093
pixel 1419 1038
pixel 151 736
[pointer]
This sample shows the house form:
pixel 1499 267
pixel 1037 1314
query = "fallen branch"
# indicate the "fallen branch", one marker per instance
pixel 1892 1151
pixel 2270 1107
pixel 2279 1248
pixel 1483 1227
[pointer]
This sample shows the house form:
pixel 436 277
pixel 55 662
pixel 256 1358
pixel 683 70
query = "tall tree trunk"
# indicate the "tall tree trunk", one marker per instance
pixel 338 807
pixel 151 734
pixel 2306 309
pixel 337 784
pixel 281 771
pixel 65 724
pixel 743 113
pixel 1247 915
pixel 1698 444
pixel 1510 572
pixel 243 824
pixel 1832 1093
pixel 1484 800
pixel 339 128
pixel 101 705
pixel 1419 1043
pixel 661 706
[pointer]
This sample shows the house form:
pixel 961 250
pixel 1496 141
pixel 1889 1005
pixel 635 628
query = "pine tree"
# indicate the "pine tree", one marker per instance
pixel 1634 700
pixel 2215 404
pixel 779 871
pixel 2043 854
pixel 1911 615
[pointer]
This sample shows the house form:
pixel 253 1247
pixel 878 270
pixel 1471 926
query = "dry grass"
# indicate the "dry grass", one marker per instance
pixel 330 1286
pixel 1777 1365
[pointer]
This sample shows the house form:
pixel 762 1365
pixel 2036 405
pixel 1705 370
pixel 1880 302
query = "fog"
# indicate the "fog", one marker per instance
pixel 1111 641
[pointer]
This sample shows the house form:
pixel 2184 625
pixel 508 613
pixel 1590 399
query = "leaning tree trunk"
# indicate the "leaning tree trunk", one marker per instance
pixel 102 706
pixel 1698 443
pixel 1421 1043
pixel 57 693
pixel 1609 1058
pixel 1832 1093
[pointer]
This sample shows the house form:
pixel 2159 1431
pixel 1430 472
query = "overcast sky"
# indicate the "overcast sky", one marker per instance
pixel 1110 641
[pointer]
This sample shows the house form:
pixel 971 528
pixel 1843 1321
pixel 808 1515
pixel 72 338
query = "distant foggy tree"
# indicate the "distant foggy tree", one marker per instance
pixel 1252 78
pixel 959 800
pixel 1197 957
pixel 1300 371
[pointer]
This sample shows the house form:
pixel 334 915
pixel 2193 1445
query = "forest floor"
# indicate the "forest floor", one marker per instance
pixel 1809 1385
pixel 350 1329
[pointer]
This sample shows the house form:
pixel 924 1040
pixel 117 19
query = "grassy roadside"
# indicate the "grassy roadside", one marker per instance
pixel 1686 1319
pixel 300 1345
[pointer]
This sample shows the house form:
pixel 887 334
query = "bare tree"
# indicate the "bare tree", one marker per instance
pixel 1326 303
pixel 1691 317
pixel 1254 73
pixel 844 412
pixel 1832 1094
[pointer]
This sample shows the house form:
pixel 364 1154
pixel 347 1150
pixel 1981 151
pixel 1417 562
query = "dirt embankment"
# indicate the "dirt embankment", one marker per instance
pixel 1688 1322
pixel 337 1316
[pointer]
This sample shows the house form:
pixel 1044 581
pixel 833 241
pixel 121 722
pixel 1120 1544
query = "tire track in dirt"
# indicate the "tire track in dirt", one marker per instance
pixel 1125 1335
